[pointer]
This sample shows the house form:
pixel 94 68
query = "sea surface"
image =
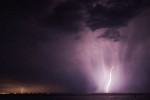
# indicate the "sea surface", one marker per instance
pixel 75 96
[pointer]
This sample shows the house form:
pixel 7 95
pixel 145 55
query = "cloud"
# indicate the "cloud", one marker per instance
pixel 112 34
pixel 70 15
pixel 113 13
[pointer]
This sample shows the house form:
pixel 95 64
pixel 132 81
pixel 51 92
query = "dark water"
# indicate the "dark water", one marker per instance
pixel 75 97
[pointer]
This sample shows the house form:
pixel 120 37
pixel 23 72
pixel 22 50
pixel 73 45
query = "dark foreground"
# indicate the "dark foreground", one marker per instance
pixel 116 96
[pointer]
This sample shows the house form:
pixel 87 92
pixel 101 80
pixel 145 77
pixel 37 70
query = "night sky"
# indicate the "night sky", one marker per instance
pixel 71 45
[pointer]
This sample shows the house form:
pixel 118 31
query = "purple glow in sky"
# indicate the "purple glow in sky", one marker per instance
pixel 98 57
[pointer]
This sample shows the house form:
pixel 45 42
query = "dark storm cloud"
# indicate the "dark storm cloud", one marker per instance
pixel 114 13
pixel 25 23
pixel 71 14
pixel 113 35
pixel 67 16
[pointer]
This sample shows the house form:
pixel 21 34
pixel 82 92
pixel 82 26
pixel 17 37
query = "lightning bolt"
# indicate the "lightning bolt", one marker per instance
pixel 21 90
pixel 110 77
